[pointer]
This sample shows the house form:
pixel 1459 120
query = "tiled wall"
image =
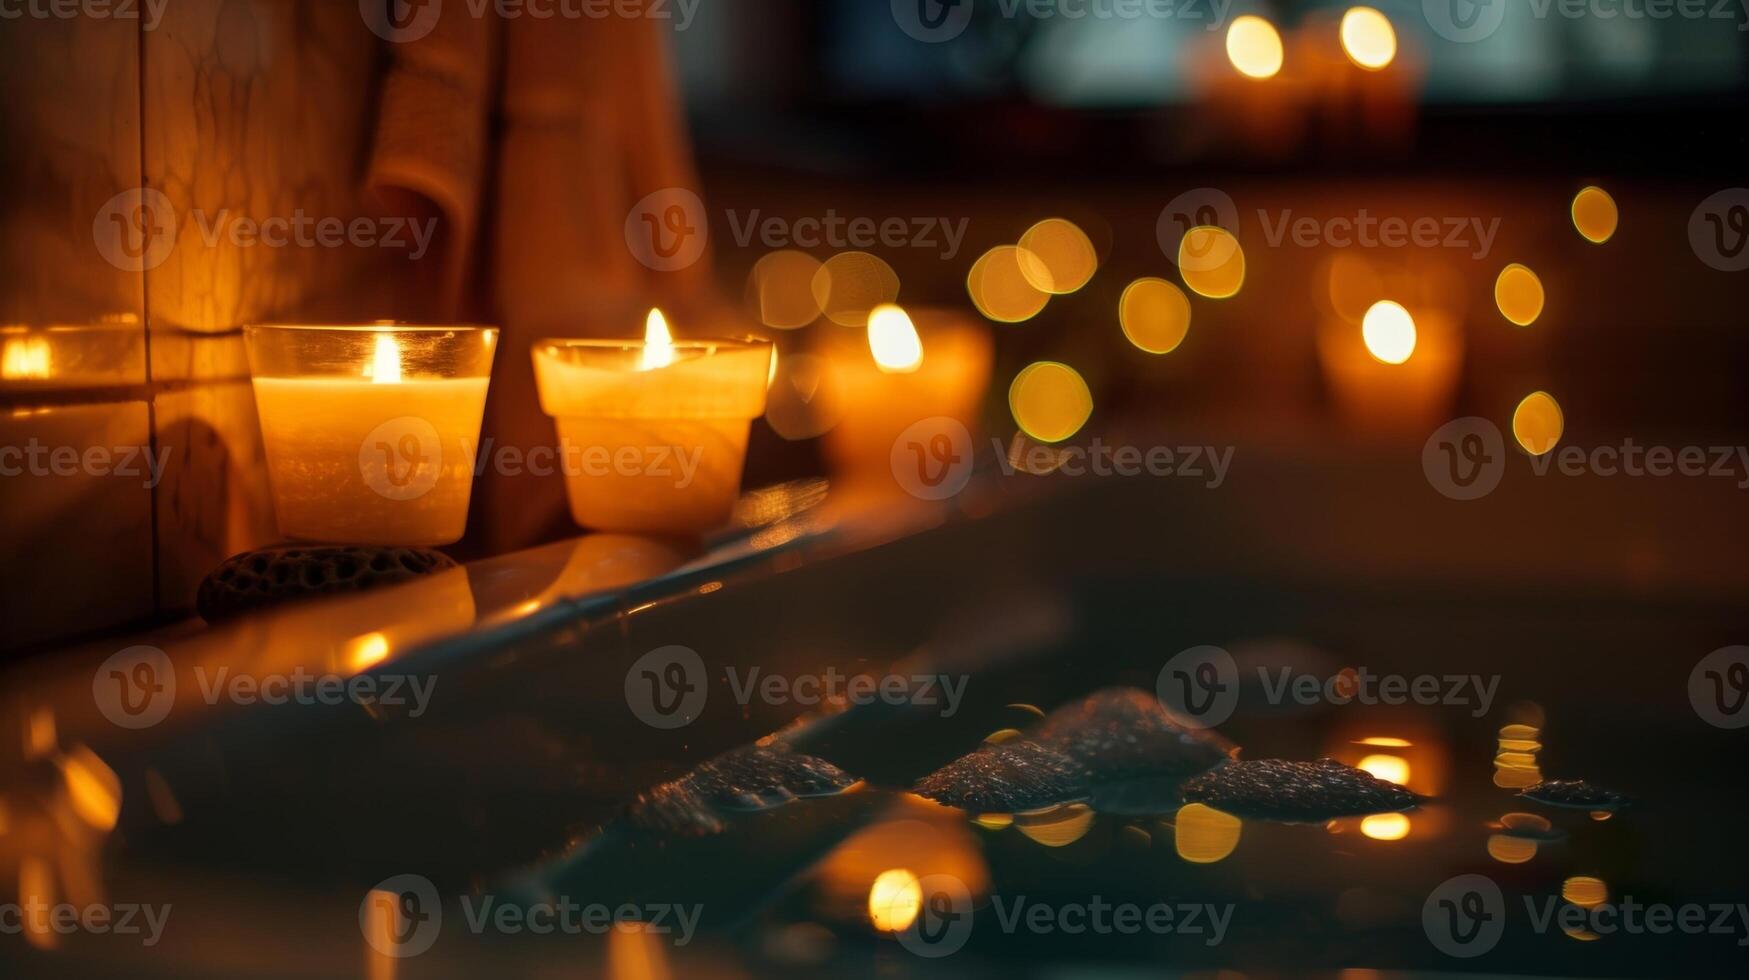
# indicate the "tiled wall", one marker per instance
pixel 230 109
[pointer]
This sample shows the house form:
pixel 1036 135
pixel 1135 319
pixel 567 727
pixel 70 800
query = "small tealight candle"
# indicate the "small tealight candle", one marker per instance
pixel 652 434
pixel 1395 373
pixel 370 431
pixel 899 372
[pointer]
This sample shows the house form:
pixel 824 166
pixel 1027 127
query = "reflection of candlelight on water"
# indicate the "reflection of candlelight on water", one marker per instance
pixel 385 365
pixel 1204 835
pixel 1385 826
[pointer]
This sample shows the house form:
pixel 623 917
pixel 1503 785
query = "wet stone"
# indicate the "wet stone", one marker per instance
pixel 749 779
pixel 1301 792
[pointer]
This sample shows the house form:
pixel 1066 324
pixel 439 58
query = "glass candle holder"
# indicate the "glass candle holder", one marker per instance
pixel 371 430
pixel 875 403
pixel 652 448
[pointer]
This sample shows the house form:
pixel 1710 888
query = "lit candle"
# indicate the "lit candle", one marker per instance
pixel 1395 372
pixel 900 372
pixel 652 435
pixel 370 431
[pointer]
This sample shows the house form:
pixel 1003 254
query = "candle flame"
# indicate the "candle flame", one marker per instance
pixel 27 357
pixel 385 367
pixel 658 343
pixel 1389 332
pixel 893 340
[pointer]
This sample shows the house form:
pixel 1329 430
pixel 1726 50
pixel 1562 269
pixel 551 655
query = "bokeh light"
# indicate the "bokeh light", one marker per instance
pixel 1537 423
pixel 1368 38
pixel 1211 261
pixel 1519 294
pixel 894 900
pixel 1254 46
pixel 1385 826
pixel 1508 849
pixel 781 287
pixel 893 340
pixel 1056 256
pixel 850 284
pixel 1049 401
pixel 1585 891
pixel 1389 332
pixel 999 287
pixel 1594 214
pixel 1154 314
pixel 1204 835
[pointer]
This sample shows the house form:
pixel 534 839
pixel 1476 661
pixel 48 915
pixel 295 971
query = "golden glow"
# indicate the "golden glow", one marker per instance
pixel 1390 768
pixel 782 289
pixel 893 340
pixel 1519 294
pixel 1204 835
pixel 894 900
pixel 25 358
pixel 850 284
pixel 1000 289
pixel 1584 891
pixel 1526 823
pixel 1508 849
pixel 634 952
pixel 1516 767
pixel 1595 215
pixel 1580 933
pixel 1385 826
pixel 365 652
pixel 994 821
pixel 93 788
pixel 37 895
pixel 1368 38
pixel 1389 332
pixel 1049 401
pixel 39 734
pixel 1385 741
pixel 1537 423
pixel 1211 261
pixel 1154 314
pixel 1254 47
pixel 658 343
pixel 385 365
pixel 1056 256
pixel 1001 735
pixel 1059 826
